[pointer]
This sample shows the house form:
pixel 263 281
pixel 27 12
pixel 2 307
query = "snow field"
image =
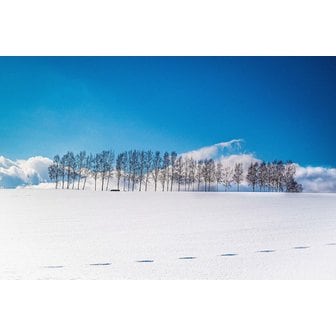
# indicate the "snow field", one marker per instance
pixel 69 234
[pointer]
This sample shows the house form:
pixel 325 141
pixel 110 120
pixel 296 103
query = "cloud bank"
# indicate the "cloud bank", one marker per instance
pixel 33 172
pixel 316 179
pixel 23 173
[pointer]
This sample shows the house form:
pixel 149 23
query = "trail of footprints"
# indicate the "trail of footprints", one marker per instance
pixel 187 257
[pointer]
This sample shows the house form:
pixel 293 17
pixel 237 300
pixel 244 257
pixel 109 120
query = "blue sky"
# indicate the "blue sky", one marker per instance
pixel 283 107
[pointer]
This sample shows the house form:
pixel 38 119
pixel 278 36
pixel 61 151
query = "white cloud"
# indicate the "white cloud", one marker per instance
pixel 228 153
pixel 317 179
pixel 20 173
pixel 244 159
pixel 214 151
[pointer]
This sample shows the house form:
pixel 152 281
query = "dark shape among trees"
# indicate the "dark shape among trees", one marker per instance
pixel 136 170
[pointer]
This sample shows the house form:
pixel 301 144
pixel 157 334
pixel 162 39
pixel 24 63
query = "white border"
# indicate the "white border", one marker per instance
pixel 167 308
pixel 175 27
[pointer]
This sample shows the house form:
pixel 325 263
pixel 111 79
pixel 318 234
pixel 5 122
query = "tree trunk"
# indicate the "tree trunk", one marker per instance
pixel 79 178
pixel 68 179
pixel 103 179
pixel 84 183
pixel 108 181
pixel 146 183
pixel 141 177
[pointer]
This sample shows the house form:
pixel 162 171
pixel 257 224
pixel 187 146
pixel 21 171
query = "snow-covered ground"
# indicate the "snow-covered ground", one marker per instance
pixel 61 234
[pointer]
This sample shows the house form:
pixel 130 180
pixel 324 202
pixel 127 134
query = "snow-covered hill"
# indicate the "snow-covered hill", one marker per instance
pixel 60 234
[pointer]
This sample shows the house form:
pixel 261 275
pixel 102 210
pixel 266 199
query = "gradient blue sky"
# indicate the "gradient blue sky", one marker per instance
pixel 283 107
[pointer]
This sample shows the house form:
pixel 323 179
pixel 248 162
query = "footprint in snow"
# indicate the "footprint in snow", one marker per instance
pixel 229 254
pixel 100 264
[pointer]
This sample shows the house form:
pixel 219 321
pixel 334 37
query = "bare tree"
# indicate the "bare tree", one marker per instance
pixel 128 169
pixel 62 170
pixel 119 167
pixel 290 184
pixel 279 176
pixel 124 166
pixel 142 162
pixel 95 168
pixel 54 170
pixel 218 174
pixel 69 165
pixel 162 178
pixel 80 163
pixel 179 172
pixel 252 177
pixel 109 166
pixel 103 167
pixel 208 173
pixel 191 173
pixel 238 174
pixel 156 168
pixel 227 178
pixel 74 172
pixel 269 176
pixel 199 173
pixel 262 176
pixel 148 166
pixel 134 166
pixel 164 170
pixel 173 157
pixel 87 169
pixel 185 172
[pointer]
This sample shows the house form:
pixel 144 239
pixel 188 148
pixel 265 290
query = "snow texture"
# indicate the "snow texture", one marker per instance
pixel 68 234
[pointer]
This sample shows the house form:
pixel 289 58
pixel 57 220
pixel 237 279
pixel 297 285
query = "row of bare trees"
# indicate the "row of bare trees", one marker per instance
pixel 143 170
pixel 273 176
